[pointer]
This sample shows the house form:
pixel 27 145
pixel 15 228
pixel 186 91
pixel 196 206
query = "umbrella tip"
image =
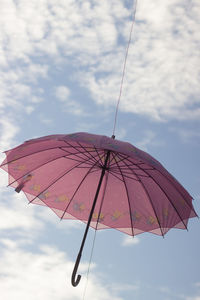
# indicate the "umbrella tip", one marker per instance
pixel 19 187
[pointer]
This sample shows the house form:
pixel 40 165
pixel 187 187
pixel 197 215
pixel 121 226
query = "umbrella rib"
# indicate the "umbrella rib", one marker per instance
pixel 127 173
pixel 116 169
pixel 35 169
pixel 147 193
pixel 81 146
pixel 166 196
pixel 148 196
pixel 85 151
pixel 126 194
pixel 121 159
pixel 76 160
pixel 75 154
pixel 179 192
pixel 113 174
pixel 89 151
pixel 101 205
pixel 99 155
pixel 130 167
pixel 77 189
pixel 80 158
pixel 56 181
pixel 124 174
pixel 43 164
pixel 104 190
pixel 36 152
pixel 77 147
pixel 39 151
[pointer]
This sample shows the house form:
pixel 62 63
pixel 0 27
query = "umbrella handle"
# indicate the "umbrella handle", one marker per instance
pixel 75 281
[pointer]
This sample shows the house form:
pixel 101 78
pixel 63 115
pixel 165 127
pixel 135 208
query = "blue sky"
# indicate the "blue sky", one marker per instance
pixel 60 71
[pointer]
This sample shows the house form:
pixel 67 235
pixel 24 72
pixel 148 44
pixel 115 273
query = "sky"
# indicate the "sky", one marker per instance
pixel 61 64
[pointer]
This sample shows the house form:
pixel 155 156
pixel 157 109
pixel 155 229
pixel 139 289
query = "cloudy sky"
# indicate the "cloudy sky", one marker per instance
pixel 60 71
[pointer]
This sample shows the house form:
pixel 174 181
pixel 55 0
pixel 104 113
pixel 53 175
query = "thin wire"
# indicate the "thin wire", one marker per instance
pixel 124 67
pixel 115 120
pixel 88 271
pixel 91 255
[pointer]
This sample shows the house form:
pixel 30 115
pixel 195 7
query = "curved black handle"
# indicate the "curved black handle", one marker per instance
pixel 75 281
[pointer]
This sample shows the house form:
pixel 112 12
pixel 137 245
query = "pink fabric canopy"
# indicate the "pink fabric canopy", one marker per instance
pixel 137 194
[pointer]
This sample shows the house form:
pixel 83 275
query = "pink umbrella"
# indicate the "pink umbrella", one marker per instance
pixel 101 181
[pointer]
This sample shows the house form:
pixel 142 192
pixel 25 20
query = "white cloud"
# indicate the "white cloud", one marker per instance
pixel 3 177
pixel 17 93
pixel 48 216
pixel 36 99
pixel 149 139
pixel 18 217
pixel 72 106
pixel 46 26
pixel 45 120
pixel 125 287
pixel 163 70
pixel 35 71
pixel 186 135
pixel 163 64
pixel 129 241
pixel 29 221
pixel 29 109
pixel 8 131
pixel 197 296
pixel 85 126
pixel 44 275
pixel 62 93
pixel 121 133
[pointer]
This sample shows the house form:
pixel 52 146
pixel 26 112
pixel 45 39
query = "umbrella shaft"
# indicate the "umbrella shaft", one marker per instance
pixel 94 202
pixel 75 281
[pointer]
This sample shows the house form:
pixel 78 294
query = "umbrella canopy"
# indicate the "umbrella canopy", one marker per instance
pixel 101 181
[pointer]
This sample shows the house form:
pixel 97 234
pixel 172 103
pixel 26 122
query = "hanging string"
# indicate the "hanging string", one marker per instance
pixel 124 67
pixel 88 271
pixel 114 127
pixel 99 214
